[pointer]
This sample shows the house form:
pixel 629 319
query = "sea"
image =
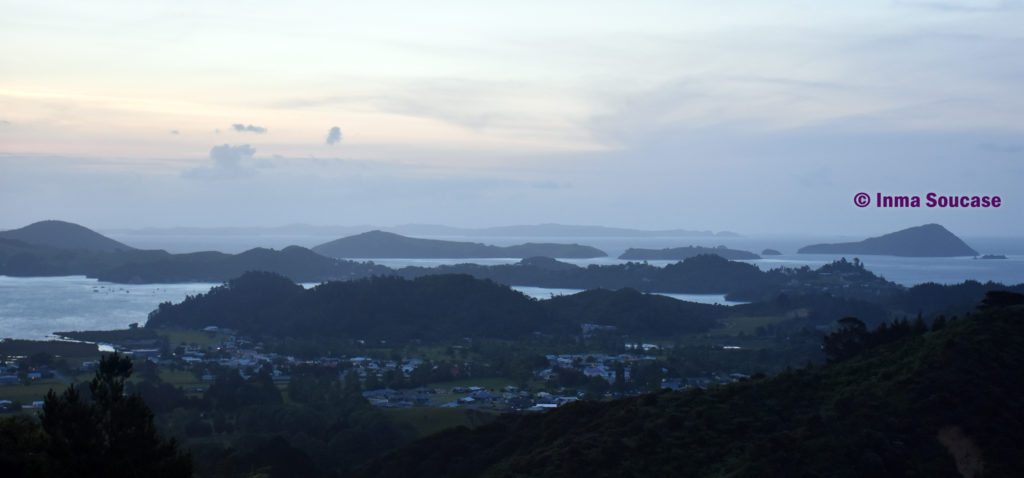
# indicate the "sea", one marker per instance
pixel 36 308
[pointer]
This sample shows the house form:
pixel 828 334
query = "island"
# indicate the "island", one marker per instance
pixel 770 252
pixel 388 245
pixel 992 256
pixel 64 235
pixel 929 240
pixel 56 248
pixel 680 253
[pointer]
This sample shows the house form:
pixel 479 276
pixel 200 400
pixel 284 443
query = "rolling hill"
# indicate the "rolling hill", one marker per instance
pixel 64 235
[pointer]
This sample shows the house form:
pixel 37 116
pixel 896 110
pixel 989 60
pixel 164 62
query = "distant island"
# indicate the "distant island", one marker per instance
pixel 700 274
pixel 929 240
pixel 680 253
pixel 64 235
pixel 56 248
pixel 381 245
pixel 992 256
pixel 770 252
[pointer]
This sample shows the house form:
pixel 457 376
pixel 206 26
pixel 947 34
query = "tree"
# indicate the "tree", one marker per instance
pixel 111 435
pixel 849 340
pixel 21 447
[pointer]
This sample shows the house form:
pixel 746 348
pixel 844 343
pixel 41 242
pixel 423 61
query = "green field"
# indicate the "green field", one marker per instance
pixel 427 421
pixel 177 337
pixel 26 394
pixel 733 326
pixel 493 383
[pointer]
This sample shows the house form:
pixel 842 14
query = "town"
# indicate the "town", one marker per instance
pixel 386 382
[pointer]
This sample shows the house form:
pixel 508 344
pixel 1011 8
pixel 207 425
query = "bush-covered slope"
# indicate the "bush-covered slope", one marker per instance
pixel 938 405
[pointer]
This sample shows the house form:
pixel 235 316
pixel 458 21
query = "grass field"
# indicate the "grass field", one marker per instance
pixel 427 421
pixel 733 326
pixel 496 383
pixel 177 337
pixel 26 394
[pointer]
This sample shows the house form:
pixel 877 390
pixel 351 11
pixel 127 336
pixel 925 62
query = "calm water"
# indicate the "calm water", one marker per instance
pixel 547 293
pixel 34 308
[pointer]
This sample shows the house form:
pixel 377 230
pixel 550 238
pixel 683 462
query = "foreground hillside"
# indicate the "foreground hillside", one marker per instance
pixel 942 404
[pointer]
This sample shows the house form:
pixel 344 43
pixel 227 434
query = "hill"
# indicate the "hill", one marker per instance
pixel 387 245
pixel 64 235
pixel 426 308
pixel 680 253
pixel 929 240
pixel 941 404
pixel 296 263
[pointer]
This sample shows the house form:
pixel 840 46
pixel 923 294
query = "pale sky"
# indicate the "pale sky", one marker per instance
pixel 754 116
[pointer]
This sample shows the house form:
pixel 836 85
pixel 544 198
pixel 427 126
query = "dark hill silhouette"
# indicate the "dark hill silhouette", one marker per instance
pixel 680 253
pixel 929 240
pixel 64 235
pixel 296 263
pixel 936 404
pixel 444 307
pixel 387 245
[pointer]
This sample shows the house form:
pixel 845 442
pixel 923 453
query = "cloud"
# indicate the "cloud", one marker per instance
pixel 175 132
pixel 334 135
pixel 248 128
pixel 229 161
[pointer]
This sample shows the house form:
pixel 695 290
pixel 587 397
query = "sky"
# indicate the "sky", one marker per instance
pixel 751 116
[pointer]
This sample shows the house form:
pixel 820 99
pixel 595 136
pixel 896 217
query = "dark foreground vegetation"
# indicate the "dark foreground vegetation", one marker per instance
pixel 935 403
pixel 903 398
pixel 98 430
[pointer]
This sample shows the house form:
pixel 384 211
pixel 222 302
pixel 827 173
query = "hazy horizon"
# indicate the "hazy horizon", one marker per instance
pixel 754 117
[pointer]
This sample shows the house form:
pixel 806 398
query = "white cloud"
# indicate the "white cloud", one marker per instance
pixel 248 128
pixel 229 161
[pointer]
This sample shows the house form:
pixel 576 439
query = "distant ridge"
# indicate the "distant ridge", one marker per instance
pixel 681 253
pixel 929 240
pixel 387 245
pixel 64 235
pixel 536 230
pixel 552 230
